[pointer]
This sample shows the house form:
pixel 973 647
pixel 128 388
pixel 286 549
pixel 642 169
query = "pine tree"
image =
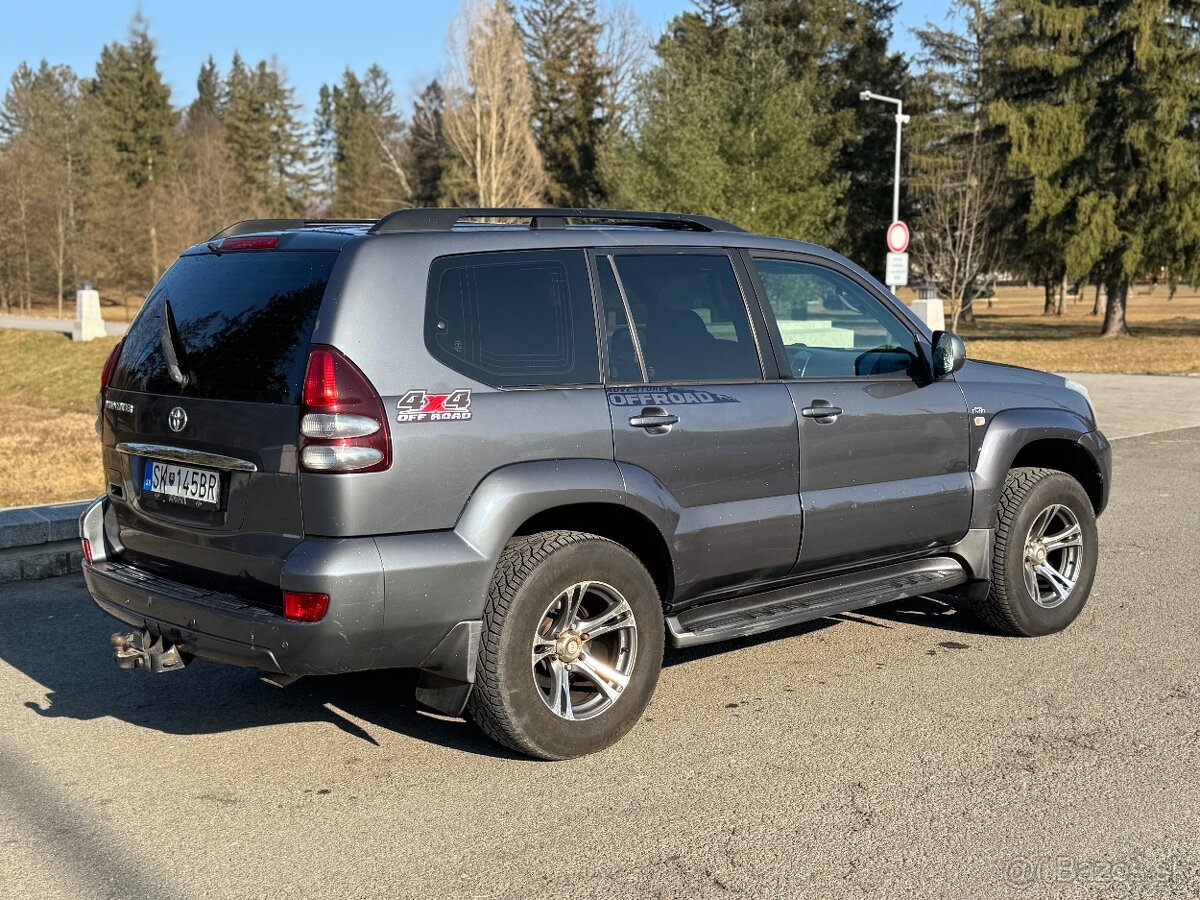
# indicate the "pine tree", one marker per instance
pixel 863 160
pixel 425 147
pixel 248 133
pixel 208 91
pixel 266 139
pixel 361 133
pixel 1112 155
pixel 836 48
pixel 570 87
pixel 727 129
pixel 132 120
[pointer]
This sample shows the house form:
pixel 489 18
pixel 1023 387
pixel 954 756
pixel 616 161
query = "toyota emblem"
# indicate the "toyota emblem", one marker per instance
pixel 177 419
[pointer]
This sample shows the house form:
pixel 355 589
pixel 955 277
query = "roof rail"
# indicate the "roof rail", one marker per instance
pixel 433 219
pixel 253 226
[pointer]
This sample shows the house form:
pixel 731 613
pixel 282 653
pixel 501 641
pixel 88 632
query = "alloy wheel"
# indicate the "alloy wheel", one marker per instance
pixel 584 650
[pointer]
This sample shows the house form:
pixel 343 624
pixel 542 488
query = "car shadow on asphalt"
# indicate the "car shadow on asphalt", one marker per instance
pixel 57 637
pixel 927 612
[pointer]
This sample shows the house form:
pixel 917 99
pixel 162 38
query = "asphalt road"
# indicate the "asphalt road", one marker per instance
pixel 902 753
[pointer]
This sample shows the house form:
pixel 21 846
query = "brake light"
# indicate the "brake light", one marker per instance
pixel 343 427
pixel 305 607
pixel 87 551
pixel 256 242
pixel 110 364
pixel 320 381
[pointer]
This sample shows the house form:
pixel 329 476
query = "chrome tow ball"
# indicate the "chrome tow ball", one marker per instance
pixel 143 650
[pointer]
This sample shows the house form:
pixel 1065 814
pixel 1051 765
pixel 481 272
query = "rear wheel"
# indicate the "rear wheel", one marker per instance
pixel 572 645
pixel 1044 560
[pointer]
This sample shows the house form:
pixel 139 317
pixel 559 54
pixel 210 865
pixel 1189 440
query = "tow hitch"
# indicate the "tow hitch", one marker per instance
pixel 143 650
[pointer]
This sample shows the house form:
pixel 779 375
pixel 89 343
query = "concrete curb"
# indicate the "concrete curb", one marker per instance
pixel 40 541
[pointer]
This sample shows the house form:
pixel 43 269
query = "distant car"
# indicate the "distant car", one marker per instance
pixel 522 457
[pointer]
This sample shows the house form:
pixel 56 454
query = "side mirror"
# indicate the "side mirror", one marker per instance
pixel 949 353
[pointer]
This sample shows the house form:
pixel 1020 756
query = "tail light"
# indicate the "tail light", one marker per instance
pixel 343 427
pixel 87 551
pixel 304 607
pixel 110 364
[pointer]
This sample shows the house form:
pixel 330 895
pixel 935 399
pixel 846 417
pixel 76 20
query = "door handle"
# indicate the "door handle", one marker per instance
pixel 821 411
pixel 655 420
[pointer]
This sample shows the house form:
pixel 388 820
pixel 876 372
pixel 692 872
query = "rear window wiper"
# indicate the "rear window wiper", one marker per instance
pixel 172 348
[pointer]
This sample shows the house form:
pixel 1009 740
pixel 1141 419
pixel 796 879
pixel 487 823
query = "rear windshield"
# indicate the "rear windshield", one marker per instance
pixel 243 321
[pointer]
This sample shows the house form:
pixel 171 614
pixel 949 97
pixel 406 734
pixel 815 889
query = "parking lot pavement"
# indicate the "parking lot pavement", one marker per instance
pixel 1129 405
pixel 903 752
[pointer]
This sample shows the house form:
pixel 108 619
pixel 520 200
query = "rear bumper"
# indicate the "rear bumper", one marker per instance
pixel 224 629
pixel 366 626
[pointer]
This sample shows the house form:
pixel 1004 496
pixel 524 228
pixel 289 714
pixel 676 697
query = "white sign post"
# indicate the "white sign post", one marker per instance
pixel 897 270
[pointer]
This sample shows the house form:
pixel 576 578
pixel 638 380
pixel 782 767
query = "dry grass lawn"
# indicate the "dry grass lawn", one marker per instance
pixel 1013 330
pixel 48 440
pixel 50 452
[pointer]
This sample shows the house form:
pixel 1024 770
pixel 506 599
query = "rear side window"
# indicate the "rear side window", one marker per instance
pixel 689 319
pixel 517 319
pixel 243 320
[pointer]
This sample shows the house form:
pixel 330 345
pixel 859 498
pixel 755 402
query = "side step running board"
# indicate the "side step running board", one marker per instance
pixel 740 616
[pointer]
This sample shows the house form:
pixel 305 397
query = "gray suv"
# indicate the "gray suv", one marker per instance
pixel 521 456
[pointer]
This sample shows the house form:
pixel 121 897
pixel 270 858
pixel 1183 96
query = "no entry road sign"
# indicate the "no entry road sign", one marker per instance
pixel 897 237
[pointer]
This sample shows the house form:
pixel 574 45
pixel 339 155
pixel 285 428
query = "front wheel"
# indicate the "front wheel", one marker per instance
pixel 1044 560
pixel 572 645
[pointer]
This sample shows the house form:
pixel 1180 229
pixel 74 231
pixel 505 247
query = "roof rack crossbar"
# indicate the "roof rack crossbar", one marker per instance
pixel 253 226
pixel 434 219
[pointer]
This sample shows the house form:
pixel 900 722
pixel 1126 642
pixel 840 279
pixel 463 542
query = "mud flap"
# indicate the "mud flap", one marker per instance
pixel 448 674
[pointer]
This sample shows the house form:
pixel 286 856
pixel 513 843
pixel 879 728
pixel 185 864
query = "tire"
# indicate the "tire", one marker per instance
pixel 531 646
pixel 1030 495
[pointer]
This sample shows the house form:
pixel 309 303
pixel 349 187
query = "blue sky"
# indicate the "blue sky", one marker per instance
pixel 314 41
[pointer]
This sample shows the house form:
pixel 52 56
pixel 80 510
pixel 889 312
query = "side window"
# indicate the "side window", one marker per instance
pixel 830 326
pixel 689 319
pixel 514 319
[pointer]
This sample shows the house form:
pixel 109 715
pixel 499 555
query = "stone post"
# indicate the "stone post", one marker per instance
pixel 929 308
pixel 89 325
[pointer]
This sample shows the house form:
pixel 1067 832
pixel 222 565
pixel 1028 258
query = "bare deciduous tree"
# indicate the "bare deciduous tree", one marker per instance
pixel 625 45
pixel 488 118
pixel 956 239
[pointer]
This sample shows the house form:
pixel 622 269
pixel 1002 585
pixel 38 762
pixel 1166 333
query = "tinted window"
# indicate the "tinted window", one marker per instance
pixel 831 326
pixel 690 318
pixel 244 322
pixel 514 319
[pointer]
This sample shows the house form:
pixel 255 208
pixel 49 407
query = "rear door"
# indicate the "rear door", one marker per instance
pixel 885 472
pixel 694 416
pixel 201 418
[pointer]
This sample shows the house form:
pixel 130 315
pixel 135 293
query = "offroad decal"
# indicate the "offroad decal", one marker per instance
pixel 421 406
pixel 665 397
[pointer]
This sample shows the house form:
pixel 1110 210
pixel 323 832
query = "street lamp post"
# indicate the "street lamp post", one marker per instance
pixel 901 121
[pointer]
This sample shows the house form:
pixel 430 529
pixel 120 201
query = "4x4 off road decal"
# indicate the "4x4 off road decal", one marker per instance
pixel 665 397
pixel 421 406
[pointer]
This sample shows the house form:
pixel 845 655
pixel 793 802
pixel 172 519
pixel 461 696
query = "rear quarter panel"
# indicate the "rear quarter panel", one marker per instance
pixel 374 312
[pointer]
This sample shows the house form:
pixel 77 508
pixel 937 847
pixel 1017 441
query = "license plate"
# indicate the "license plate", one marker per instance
pixel 182 484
